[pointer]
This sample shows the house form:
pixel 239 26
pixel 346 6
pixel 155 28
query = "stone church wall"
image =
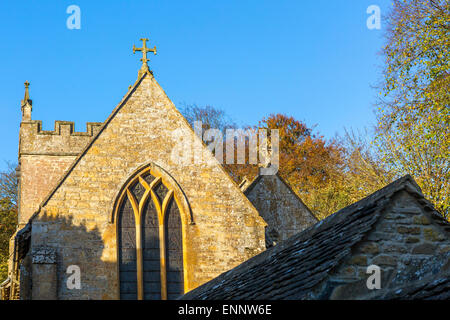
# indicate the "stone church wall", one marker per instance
pixel 43 157
pixel 284 213
pixel 77 219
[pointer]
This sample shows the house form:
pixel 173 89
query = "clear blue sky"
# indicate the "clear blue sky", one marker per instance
pixel 314 60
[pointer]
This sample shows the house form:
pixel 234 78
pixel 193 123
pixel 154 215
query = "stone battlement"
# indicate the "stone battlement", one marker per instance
pixel 44 156
pixel 63 140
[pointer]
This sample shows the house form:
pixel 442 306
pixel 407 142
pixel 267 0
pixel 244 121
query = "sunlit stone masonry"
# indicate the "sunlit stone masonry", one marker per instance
pixel 110 213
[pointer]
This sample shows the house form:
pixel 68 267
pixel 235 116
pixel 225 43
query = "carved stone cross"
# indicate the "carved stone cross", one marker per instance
pixel 144 50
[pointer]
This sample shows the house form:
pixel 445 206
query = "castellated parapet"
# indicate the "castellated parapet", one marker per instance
pixel 43 158
pixel 62 141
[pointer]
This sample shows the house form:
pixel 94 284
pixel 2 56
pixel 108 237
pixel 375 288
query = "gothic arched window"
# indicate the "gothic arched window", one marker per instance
pixel 150 247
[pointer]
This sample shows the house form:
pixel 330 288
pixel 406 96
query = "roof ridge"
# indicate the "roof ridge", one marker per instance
pixel 258 177
pixel 251 183
pixel 296 195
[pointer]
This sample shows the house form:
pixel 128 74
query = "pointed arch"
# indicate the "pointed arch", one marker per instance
pixel 167 180
pixel 155 267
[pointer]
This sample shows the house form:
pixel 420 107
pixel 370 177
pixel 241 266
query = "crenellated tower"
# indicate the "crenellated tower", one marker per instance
pixel 44 156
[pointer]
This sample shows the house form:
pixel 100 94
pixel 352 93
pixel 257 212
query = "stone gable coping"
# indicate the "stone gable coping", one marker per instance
pixel 131 90
pixel 255 181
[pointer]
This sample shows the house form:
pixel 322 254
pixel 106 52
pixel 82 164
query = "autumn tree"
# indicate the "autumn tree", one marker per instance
pixel 413 111
pixel 308 162
pixel 327 174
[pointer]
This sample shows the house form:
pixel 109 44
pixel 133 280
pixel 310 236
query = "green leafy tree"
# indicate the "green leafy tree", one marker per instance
pixel 364 172
pixel 413 112
pixel 8 214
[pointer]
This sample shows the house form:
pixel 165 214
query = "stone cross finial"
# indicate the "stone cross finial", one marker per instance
pixel 144 51
pixel 27 95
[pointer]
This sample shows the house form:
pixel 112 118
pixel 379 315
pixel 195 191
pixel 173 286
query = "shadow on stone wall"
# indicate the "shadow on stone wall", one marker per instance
pixel 58 243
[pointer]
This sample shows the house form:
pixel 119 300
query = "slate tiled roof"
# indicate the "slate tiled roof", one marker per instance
pixel 438 289
pixel 292 268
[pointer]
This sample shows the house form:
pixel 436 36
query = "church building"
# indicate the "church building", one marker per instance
pixel 120 211
pixel 115 206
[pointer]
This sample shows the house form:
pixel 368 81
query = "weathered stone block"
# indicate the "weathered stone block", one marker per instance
pixel 377 236
pixel 360 260
pixel 412 240
pixel 394 248
pixel 370 247
pixel 424 248
pixel 408 230
pixel 433 235
pixel 412 210
pixel 350 290
pixel 385 260
pixel 395 216
pixel 422 220
pixel 444 249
